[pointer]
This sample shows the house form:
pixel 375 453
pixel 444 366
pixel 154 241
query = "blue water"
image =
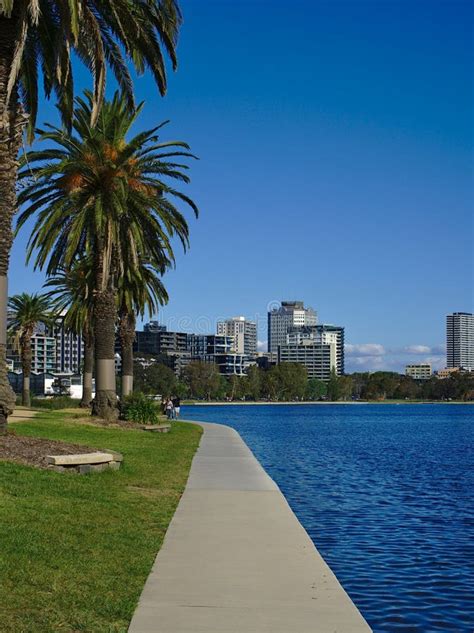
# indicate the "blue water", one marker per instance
pixel 385 493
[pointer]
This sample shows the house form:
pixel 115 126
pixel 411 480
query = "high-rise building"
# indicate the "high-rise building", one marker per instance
pixel 43 354
pixel 244 333
pixel 321 334
pixel 69 348
pixel 280 320
pixel 460 340
pixel 318 359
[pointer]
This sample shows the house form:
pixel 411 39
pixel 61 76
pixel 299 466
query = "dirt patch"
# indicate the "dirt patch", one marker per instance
pixel 32 451
pixel 121 424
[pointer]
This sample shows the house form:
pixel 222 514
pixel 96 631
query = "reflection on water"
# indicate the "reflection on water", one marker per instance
pixel 385 492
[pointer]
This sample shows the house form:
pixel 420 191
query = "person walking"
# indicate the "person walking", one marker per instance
pixel 176 407
pixel 169 409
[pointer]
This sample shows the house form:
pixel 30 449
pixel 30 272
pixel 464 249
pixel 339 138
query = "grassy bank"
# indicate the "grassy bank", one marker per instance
pixel 76 550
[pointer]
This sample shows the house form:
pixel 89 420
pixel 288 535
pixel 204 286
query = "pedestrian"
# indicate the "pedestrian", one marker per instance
pixel 176 407
pixel 169 409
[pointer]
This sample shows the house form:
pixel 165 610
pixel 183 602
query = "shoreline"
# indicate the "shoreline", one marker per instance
pixel 201 403
pixel 236 557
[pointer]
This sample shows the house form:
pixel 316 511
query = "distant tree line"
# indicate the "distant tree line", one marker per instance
pixel 289 381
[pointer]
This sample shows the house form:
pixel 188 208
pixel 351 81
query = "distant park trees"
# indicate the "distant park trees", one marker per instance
pixel 289 382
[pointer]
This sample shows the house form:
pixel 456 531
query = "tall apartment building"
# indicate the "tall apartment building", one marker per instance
pixel 53 350
pixel 460 340
pixel 321 334
pixel 43 353
pixel 69 349
pixel 244 333
pixel 318 359
pixel 280 320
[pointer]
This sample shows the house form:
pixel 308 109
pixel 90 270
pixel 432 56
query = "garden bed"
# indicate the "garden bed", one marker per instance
pixel 33 451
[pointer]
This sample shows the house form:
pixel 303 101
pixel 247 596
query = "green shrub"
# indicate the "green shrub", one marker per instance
pixel 57 402
pixel 138 408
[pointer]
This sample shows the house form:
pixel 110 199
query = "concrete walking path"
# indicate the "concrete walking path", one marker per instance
pixel 235 558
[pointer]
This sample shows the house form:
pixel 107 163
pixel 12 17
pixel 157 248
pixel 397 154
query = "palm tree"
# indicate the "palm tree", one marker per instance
pixel 72 292
pixel 108 198
pixel 27 311
pixel 38 39
pixel 139 290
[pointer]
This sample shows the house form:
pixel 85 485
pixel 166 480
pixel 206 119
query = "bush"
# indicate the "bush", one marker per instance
pixel 57 402
pixel 138 408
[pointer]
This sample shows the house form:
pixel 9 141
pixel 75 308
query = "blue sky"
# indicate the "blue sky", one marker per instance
pixel 335 144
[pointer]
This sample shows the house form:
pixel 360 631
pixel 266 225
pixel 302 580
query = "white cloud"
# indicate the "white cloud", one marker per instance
pixel 365 349
pixel 376 357
pixel 417 349
pixel 262 346
pixel 436 362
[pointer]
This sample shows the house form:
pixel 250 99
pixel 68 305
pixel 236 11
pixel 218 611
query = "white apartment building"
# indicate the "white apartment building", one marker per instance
pixel 244 333
pixel 460 340
pixel 69 349
pixel 318 359
pixel 43 352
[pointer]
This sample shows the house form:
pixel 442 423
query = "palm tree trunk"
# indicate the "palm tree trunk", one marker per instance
pixel 12 121
pixel 104 317
pixel 88 368
pixel 127 336
pixel 25 345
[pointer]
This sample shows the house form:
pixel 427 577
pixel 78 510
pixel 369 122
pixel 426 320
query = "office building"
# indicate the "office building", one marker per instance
pixel 460 340
pixel 290 314
pixel 421 371
pixel 322 334
pixel 318 359
pixel 155 341
pixel 244 333
pixel 180 348
pixel 218 349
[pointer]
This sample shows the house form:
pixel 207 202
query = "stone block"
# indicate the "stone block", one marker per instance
pixel 79 459
pixel 118 457
pixel 157 428
pixel 98 468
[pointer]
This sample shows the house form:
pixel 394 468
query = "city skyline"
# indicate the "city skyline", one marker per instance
pixel 371 356
pixel 346 184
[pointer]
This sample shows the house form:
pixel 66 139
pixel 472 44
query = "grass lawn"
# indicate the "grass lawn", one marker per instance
pixel 75 550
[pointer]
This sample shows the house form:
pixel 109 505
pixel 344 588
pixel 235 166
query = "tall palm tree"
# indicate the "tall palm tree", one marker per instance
pixel 27 311
pixel 72 293
pixel 109 198
pixel 38 39
pixel 139 290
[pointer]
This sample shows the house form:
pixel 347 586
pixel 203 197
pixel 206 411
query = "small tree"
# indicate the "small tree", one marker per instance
pixel 28 310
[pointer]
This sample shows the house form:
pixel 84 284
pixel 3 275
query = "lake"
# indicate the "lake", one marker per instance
pixel 385 493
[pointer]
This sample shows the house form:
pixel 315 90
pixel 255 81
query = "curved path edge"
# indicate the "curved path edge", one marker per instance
pixel 235 558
